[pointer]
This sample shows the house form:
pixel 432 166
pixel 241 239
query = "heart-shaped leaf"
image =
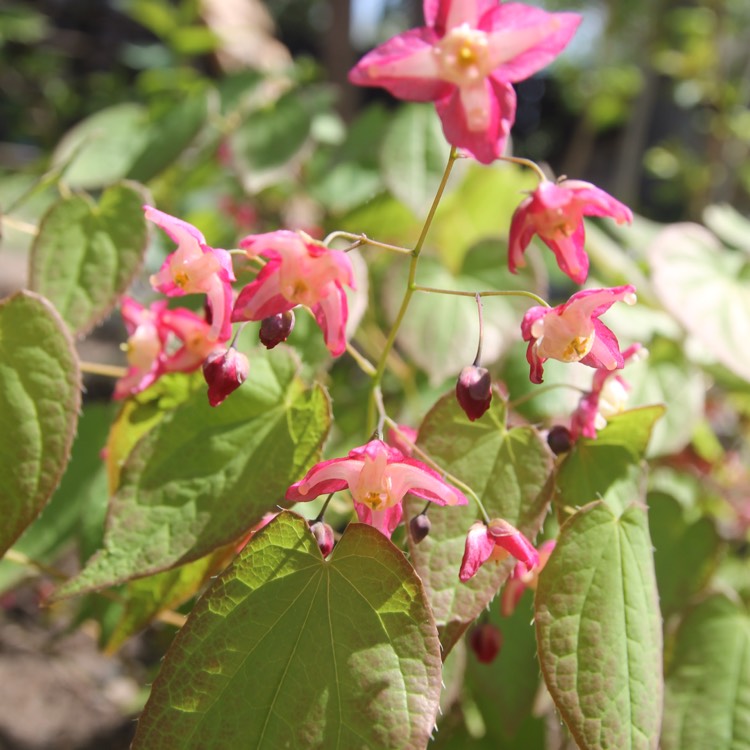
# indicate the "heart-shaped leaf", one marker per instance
pixel 202 476
pixel 86 255
pixel 707 701
pixel 707 288
pixel 599 629
pixel 510 470
pixel 289 650
pixel 39 402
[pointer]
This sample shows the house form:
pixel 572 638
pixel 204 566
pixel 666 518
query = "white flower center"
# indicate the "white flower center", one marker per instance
pixel 558 338
pixel 463 55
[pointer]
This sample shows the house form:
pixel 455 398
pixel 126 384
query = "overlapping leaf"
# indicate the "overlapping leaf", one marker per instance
pixel 86 254
pixel 39 403
pixel 289 650
pixel 707 702
pixel 203 476
pixel 510 470
pixel 599 629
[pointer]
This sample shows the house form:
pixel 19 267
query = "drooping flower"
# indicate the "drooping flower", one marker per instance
pixel 608 396
pixel 572 332
pixel 299 271
pixel 465 60
pixel 523 578
pixel 195 268
pixel 495 541
pixel 224 371
pixel 378 477
pixel 160 341
pixel 555 212
pixel 474 391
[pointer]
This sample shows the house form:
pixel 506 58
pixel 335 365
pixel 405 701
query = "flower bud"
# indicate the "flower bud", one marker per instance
pixel 276 328
pixel 485 641
pixel 559 439
pixel 224 371
pixel 474 391
pixel 419 527
pixel 323 534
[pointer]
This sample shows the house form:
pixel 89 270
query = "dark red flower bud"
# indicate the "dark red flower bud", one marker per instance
pixel 485 641
pixel 224 371
pixel 474 391
pixel 276 328
pixel 419 527
pixel 323 534
pixel 559 439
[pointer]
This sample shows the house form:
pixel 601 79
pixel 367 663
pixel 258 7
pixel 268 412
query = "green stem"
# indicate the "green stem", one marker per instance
pixel 364 364
pixel 410 284
pixel 526 163
pixel 363 239
pixel 492 293
pixel 454 480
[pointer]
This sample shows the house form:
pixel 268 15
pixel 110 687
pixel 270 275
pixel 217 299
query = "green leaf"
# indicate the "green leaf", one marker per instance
pixel 39 403
pixel 84 482
pixel 504 690
pixel 450 322
pixel 707 701
pixel 86 254
pixel 707 288
pixel 599 629
pixel 102 148
pixel 289 650
pixel 685 553
pixel 728 224
pixel 609 467
pixel 510 471
pixel 414 155
pixel 203 476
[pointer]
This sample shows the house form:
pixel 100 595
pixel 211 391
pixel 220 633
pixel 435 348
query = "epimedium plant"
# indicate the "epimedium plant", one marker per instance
pixel 310 630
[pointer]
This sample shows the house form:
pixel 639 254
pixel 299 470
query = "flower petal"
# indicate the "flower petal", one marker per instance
pixel 479 547
pixel 262 297
pixel 331 314
pixel 326 477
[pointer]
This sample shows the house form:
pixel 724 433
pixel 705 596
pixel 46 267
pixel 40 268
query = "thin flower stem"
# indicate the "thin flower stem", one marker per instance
pixel 364 364
pixel 446 475
pixel 109 371
pixel 322 513
pixel 363 239
pixel 526 163
pixel 382 416
pixel 491 293
pixel 478 358
pixel 539 391
pixel 21 226
pixel 410 285
pixel 237 251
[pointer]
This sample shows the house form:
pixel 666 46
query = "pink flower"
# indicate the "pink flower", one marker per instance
pixel 195 268
pixel 160 341
pixel 494 542
pixel 523 578
pixel 465 60
pixel 572 332
pixel 299 272
pixel 404 438
pixel 378 476
pixel 607 397
pixel 555 212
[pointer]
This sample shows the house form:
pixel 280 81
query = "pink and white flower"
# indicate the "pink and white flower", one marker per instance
pixel 554 212
pixel 465 60
pixel 378 477
pixel 572 332
pixel 608 396
pixel 495 541
pixel 161 341
pixel 299 271
pixel 195 268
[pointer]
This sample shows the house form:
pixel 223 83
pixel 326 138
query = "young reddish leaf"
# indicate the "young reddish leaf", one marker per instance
pixel 39 402
pixel 289 650
pixel 599 629
pixel 203 476
pixel 510 471
pixel 707 702
pixel 86 254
